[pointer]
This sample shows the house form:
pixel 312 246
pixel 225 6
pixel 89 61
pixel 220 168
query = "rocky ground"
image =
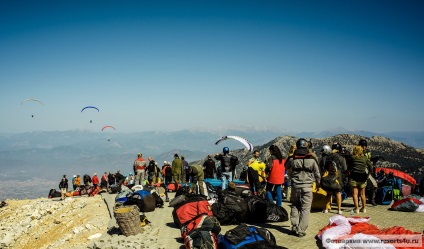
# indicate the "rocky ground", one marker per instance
pixel 52 223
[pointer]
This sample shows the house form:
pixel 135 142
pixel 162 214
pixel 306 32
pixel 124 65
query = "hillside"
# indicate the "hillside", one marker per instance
pixel 397 154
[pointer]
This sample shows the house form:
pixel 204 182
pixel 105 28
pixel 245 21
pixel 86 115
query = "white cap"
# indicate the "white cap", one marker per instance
pixel 165 162
pixel 75 176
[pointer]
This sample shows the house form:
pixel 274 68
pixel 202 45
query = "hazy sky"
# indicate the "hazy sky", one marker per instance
pixel 172 65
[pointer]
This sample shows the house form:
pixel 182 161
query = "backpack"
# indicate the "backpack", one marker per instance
pixel 224 215
pixel 248 237
pixel 204 223
pixel 199 239
pixel 384 195
pixel 191 209
pixel 330 180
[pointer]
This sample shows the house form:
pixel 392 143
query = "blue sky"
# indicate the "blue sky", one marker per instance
pixel 172 65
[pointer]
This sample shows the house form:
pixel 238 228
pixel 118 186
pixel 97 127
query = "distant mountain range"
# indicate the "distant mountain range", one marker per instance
pixel 48 155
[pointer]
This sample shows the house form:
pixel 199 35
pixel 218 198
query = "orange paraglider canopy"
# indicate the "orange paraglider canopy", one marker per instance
pixel 398 173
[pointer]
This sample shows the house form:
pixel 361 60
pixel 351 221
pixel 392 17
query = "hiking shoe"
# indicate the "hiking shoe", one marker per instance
pixel 325 211
pixel 167 200
pixel 301 234
pixel 294 230
pixel 340 212
pixel 363 210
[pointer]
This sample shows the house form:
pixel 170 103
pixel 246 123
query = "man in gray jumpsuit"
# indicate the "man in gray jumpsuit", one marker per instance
pixel 305 172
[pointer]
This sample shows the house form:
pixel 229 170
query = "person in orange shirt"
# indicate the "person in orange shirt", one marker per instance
pixel 95 180
pixel 139 169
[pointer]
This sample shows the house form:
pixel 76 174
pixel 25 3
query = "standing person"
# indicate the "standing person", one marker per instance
pixel 198 177
pixel 228 165
pixel 359 175
pixel 95 180
pixel 305 172
pixel 78 181
pixel 177 171
pixel 256 173
pixel 63 186
pixel 209 167
pixel 73 182
pixel 185 168
pixel 87 181
pixel 111 179
pixel 325 151
pixel 167 177
pixel 335 156
pixel 276 174
pixel 139 168
pixel 371 182
pixel 119 177
pixel 151 171
pixel 103 181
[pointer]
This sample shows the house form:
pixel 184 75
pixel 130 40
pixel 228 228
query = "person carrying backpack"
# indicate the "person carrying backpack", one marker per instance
pixel 359 175
pixel 228 166
pixel 334 166
pixel 63 186
pixel 304 172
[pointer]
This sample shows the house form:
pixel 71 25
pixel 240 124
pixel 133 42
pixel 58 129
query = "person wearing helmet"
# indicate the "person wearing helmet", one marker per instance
pixel 325 151
pixel 228 166
pixel 73 182
pixel 305 172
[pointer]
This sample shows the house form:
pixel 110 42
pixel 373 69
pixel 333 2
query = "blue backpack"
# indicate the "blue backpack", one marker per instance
pixel 248 237
pixel 384 195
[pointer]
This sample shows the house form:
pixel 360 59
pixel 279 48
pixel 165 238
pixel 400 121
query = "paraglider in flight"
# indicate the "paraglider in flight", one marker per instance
pixel 108 126
pixel 90 107
pixel 244 141
pixel 34 100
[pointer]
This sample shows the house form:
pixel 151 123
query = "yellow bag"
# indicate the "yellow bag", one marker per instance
pixel 320 198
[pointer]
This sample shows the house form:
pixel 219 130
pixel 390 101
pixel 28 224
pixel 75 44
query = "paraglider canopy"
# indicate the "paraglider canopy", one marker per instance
pixel 244 141
pixel 398 173
pixel 108 126
pixel 36 100
pixel 90 107
pixel 32 100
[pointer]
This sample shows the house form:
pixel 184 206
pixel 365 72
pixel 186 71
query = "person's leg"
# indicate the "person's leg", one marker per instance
pixel 363 199
pixel 294 209
pixel 269 189
pixel 279 196
pixel 201 188
pixel 355 198
pixel 305 210
pixel 339 202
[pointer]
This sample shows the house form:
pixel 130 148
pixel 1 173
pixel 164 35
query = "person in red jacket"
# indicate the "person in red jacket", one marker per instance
pixel 276 170
pixel 95 180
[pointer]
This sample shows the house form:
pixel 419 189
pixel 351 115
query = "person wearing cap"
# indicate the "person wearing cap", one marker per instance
pixel 73 182
pixel 139 168
pixel 198 177
pixel 95 180
pixel 177 170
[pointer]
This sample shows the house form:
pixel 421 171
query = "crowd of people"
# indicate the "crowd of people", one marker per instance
pixel 336 170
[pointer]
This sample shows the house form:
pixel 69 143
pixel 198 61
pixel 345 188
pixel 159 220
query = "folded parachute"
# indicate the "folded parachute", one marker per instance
pixel 244 141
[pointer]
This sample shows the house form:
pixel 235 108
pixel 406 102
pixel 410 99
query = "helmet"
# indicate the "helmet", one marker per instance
pixel 363 142
pixel 326 149
pixel 302 143
pixel 226 150
pixel 336 146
